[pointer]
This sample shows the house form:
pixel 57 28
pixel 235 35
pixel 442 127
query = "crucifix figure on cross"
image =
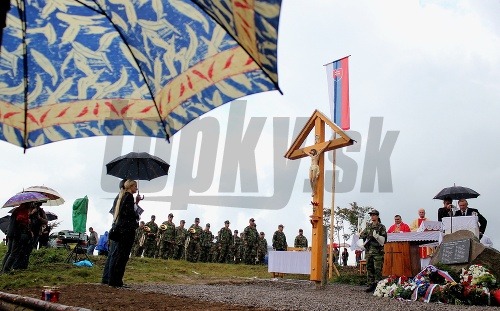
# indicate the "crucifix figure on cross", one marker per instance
pixel 314 169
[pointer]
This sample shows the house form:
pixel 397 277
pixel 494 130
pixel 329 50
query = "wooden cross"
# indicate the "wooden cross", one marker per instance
pixel 317 122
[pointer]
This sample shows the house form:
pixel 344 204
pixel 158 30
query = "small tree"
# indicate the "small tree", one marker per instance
pixel 352 215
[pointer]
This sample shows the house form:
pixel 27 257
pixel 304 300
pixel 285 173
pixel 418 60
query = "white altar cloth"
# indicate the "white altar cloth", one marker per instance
pixel 430 225
pixel 461 223
pixel 294 262
pixel 414 236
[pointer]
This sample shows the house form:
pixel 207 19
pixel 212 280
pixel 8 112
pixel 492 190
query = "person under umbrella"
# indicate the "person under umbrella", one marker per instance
pixel 465 210
pixel 19 238
pixel 37 219
pixel 446 210
pixel 125 223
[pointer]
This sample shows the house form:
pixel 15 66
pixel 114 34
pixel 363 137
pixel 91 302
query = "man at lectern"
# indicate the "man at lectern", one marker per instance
pixel 465 210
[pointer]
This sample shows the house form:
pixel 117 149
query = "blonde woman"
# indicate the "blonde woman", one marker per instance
pixel 125 221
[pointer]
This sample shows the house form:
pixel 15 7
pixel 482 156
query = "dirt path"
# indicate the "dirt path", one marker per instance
pixel 101 297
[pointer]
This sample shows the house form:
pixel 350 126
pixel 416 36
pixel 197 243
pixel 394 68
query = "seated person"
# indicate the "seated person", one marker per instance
pixel 417 222
pixel 465 210
pixel 398 226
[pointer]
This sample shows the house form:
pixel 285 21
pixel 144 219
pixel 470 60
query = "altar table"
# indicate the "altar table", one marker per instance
pixel 295 262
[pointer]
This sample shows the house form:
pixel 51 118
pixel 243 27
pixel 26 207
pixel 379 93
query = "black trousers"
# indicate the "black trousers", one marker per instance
pixel 119 258
pixel 20 250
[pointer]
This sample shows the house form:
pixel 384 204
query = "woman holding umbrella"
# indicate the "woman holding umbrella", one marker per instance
pixel 125 221
pixel 20 237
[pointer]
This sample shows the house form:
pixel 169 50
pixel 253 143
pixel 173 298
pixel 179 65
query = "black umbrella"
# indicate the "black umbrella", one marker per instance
pixel 4 223
pixel 51 216
pixel 137 166
pixel 456 193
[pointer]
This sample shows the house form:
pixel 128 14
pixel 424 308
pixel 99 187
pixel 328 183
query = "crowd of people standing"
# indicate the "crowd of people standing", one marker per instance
pixel 167 241
pixel 375 234
pixel 130 237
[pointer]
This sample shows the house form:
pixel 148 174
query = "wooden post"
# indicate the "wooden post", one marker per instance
pixel 317 122
pixel 331 264
pixel 317 216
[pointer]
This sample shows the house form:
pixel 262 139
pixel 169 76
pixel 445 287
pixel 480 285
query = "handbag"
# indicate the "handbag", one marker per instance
pixel 114 233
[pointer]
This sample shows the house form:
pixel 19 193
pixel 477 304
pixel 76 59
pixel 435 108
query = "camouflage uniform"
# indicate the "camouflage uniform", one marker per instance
pixel 262 248
pixel 159 236
pixel 138 246
pixel 181 234
pixel 150 242
pixel 235 250
pixel 214 251
pixel 193 248
pixel 300 241
pixel 225 238
pixel 206 238
pixel 167 245
pixel 239 248
pixel 374 253
pixel 250 244
pixel 279 241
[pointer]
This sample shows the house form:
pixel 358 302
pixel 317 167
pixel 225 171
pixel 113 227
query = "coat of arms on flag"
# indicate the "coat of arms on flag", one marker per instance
pixel 337 74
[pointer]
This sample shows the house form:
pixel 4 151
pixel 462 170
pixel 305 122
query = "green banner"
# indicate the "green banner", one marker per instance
pixel 80 214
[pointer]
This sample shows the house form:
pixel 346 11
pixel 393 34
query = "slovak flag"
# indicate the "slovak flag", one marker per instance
pixel 337 74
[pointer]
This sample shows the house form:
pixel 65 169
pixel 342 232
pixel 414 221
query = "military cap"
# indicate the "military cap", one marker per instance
pixel 183 221
pixel 235 231
pixel 374 212
pixel 280 225
pixel 170 215
pixel 196 219
pixel 262 233
pixel 251 219
pixel 208 225
pixel 226 222
pixel 300 230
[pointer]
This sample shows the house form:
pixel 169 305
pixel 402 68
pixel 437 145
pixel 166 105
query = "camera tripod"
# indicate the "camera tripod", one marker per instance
pixel 77 253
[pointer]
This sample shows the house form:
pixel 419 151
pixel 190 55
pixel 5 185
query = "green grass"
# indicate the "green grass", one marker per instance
pixel 48 267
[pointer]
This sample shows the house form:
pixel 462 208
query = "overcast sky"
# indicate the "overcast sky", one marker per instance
pixel 424 76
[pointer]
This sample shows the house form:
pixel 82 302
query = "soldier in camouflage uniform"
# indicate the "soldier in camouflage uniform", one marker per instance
pixel 159 237
pixel 193 249
pixel 138 246
pixel 300 240
pixel 250 242
pixel 150 243
pixel 214 251
pixel 241 249
pixel 181 234
pixel 206 238
pixel 235 250
pixel 279 240
pixel 374 235
pixel 167 245
pixel 225 237
pixel 262 248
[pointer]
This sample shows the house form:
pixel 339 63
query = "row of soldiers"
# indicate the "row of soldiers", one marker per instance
pixel 198 244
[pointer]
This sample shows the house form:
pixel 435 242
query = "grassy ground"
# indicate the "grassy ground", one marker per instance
pixel 48 267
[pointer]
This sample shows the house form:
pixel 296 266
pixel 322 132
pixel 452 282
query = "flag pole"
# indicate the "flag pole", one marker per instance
pixel 331 264
pixel 336 60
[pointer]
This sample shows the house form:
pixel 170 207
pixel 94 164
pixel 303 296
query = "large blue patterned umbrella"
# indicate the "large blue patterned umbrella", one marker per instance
pixel 80 68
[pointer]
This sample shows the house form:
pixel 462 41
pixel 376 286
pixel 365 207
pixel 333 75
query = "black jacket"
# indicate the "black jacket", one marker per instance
pixel 482 221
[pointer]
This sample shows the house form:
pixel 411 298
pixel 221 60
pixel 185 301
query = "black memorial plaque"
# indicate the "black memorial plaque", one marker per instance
pixel 454 252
